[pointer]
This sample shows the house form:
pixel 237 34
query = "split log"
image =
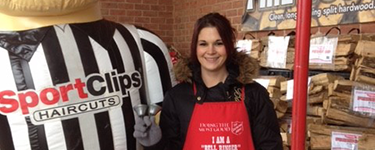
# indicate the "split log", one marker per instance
pixel 363 74
pixel 286 138
pixel 343 86
pixel 275 81
pixel 315 110
pixel 290 57
pixel 328 129
pixel 353 119
pixel 317 98
pixel 365 62
pixel 366 142
pixel 320 142
pixel 282 106
pixel 345 49
pixel 279 114
pixel 324 79
pixel 316 89
pixel 274 92
pixel 365 48
pixel 339 64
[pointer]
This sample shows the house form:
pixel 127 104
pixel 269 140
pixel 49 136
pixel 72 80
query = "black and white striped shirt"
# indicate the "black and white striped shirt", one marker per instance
pixel 73 86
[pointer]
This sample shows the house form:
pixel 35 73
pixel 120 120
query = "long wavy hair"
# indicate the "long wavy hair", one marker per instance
pixel 226 32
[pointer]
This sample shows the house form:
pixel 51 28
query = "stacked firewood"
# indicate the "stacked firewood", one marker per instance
pixel 321 136
pixel 343 55
pixel 256 49
pixel 273 87
pixel 289 59
pixel 364 70
pixel 330 112
pixel 338 116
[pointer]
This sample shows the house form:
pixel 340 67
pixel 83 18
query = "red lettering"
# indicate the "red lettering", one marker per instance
pixel 7 101
pixel 64 92
pixel 346 140
pixel 33 101
pixel 54 93
pixel 79 86
pixel 366 98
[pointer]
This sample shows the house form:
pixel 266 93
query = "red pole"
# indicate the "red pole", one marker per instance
pixel 301 74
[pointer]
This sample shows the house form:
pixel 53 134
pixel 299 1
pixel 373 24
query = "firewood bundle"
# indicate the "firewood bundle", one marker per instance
pixel 318 92
pixel 256 49
pixel 364 70
pixel 289 56
pixel 256 46
pixel 321 136
pixel 339 118
pixel 338 107
pixel 343 55
pixel 273 89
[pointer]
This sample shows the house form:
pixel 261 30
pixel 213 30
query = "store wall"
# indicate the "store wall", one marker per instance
pixel 188 11
pixel 173 20
pixel 155 15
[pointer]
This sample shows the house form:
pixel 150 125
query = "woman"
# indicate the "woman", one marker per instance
pixel 217 105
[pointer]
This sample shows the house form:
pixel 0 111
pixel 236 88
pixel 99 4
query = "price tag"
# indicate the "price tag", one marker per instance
pixel 347 141
pixel 244 45
pixel 321 53
pixel 364 101
pixel 277 51
pixel 290 88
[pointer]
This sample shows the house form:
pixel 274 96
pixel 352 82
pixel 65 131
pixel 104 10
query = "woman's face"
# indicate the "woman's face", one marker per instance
pixel 211 51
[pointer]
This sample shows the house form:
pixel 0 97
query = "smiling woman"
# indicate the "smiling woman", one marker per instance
pixel 211 55
pixel 217 104
pixel 69 78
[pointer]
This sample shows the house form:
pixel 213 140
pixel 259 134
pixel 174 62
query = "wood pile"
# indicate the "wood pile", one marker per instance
pixel 256 49
pixel 329 109
pixel 364 70
pixel 289 58
pixel 273 88
pixel 338 116
pixel 343 56
pixel 330 96
pixel 321 136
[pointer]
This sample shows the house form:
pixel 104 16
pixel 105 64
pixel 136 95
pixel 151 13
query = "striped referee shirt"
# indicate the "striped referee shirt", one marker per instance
pixel 73 86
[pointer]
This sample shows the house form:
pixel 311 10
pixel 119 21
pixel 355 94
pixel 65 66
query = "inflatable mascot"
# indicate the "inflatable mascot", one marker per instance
pixel 69 79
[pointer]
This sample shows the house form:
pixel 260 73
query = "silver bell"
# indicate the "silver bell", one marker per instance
pixel 153 109
pixel 140 110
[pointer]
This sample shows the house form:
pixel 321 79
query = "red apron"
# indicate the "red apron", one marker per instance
pixel 219 126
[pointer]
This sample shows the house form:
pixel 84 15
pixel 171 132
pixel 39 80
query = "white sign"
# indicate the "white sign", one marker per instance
pixel 321 53
pixel 364 101
pixel 344 141
pixel 244 45
pixel 290 88
pixel 263 82
pixel 277 51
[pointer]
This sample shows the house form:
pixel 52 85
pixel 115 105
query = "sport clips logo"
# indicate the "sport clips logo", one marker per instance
pixel 95 93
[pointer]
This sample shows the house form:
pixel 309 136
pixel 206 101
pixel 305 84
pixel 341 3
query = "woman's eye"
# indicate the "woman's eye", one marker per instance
pixel 219 43
pixel 202 44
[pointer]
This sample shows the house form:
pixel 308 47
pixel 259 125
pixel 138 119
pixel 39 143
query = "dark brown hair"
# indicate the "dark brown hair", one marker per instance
pixel 226 32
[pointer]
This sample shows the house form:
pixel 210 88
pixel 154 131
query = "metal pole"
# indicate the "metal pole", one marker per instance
pixel 301 74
